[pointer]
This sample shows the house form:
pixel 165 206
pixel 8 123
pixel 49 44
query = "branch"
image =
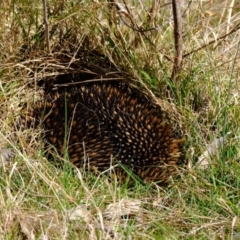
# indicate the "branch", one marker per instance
pixel 178 39
pixel 236 28
pixel 126 12
pixel 46 22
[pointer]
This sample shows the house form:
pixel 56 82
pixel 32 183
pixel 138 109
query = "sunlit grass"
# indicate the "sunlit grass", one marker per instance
pixel 36 196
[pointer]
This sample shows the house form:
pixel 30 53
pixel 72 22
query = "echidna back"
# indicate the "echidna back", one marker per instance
pixel 105 125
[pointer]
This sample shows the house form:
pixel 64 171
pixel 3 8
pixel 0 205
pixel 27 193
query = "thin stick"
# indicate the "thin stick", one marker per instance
pixel 236 28
pixel 46 22
pixel 230 9
pixel 178 39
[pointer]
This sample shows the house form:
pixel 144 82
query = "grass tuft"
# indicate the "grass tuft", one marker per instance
pixel 38 200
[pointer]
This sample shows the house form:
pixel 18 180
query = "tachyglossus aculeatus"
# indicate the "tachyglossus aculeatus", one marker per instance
pixel 108 123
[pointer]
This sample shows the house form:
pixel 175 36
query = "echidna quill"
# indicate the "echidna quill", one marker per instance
pixel 107 125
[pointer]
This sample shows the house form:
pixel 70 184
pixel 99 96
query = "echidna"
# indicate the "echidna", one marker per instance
pixel 108 125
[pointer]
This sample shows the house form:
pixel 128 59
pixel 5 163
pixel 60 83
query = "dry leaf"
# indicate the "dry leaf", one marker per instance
pixel 79 212
pixel 27 225
pixel 157 202
pixel 6 154
pixel 123 208
pixel 212 150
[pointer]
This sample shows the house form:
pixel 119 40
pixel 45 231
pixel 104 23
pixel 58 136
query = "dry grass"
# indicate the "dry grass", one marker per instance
pixel 38 201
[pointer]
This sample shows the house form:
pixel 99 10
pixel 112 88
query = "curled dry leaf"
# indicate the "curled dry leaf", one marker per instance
pixel 120 7
pixel 212 150
pixel 28 226
pixel 6 154
pixel 79 212
pixel 123 208
pixel 157 202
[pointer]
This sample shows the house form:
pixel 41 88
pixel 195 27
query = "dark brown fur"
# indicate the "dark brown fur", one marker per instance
pixel 110 124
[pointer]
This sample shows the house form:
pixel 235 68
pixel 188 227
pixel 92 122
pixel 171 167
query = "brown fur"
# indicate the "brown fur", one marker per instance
pixel 104 124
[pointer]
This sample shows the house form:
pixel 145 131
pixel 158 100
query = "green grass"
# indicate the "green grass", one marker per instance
pixel 36 197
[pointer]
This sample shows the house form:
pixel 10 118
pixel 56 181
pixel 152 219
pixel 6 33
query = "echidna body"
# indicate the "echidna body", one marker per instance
pixel 107 125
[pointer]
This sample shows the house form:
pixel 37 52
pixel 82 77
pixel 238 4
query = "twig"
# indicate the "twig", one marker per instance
pixel 231 5
pixel 46 22
pixel 178 39
pixel 213 41
pixel 126 12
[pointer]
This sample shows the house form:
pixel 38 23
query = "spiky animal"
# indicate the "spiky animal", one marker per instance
pixel 108 125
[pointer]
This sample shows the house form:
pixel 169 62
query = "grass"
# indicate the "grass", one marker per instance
pixel 38 200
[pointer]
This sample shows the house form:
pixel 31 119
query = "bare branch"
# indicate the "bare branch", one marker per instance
pixel 124 11
pixel 178 39
pixel 236 28
pixel 46 22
